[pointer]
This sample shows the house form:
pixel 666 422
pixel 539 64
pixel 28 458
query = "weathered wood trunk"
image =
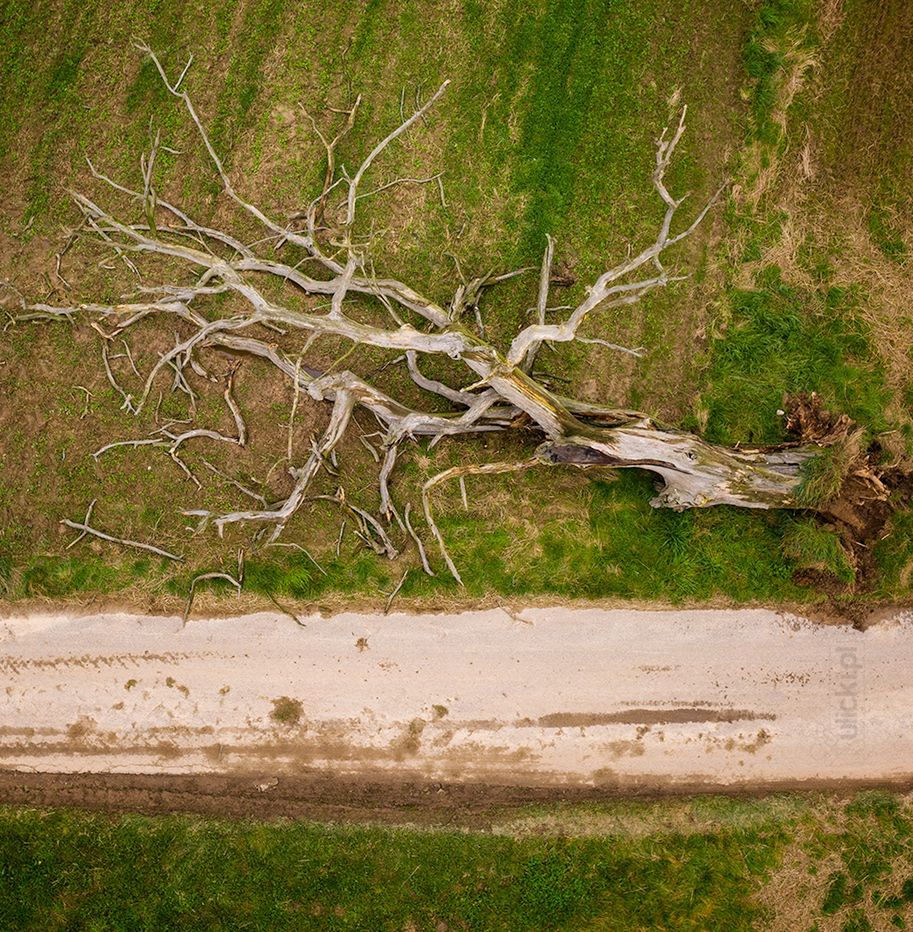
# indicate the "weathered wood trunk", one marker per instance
pixel 694 473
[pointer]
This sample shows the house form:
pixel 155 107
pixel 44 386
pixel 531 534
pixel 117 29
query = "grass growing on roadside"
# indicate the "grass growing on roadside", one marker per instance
pixel 71 869
pixel 808 861
pixel 861 860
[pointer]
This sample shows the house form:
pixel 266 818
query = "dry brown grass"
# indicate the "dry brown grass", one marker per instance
pixel 793 894
pixel 796 890
pixel 761 164
pixel 830 18
pixel 675 816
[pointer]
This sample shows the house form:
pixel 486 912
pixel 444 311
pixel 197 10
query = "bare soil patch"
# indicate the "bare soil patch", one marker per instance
pixel 338 799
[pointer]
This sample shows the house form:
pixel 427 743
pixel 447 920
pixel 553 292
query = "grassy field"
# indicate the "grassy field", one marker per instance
pixel 778 863
pixel 799 282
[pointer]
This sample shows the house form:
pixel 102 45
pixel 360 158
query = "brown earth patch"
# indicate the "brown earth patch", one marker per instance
pixel 286 711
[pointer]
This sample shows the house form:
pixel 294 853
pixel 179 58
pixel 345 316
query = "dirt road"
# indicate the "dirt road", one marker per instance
pixel 625 700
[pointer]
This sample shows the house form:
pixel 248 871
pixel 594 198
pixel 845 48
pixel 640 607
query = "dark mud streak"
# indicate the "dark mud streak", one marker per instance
pixel 650 717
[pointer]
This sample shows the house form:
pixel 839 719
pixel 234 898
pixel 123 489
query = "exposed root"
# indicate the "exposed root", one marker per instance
pixel 851 486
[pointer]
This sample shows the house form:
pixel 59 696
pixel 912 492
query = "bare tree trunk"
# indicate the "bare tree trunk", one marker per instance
pixel 692 472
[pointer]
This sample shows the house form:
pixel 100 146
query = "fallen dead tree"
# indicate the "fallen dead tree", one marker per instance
pixel 501 391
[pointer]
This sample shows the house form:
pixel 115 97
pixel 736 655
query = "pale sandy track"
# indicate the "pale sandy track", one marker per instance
pixel 623 699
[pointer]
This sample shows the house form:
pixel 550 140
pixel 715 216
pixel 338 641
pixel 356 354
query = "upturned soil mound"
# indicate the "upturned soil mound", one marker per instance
pixel 876 479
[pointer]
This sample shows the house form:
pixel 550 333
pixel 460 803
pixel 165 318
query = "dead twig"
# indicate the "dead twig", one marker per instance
pixel 84 527
pixel 395 592
pixel 197 579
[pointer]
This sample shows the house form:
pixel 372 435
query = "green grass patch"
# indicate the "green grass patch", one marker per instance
pixel 74 870
pixel 813 547
pixel 779 27
pixel 58 577
pixel 887 233
pixel 894 556
pixel 781 339
pixel 619 547
pixel 706 863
